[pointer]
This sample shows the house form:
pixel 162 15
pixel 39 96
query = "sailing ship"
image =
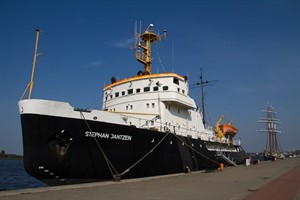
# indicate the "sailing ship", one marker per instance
pixel 148 125
pixel 272 147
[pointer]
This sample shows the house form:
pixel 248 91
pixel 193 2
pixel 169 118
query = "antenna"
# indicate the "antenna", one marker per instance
pixel 140 27
pixel 135 34
pixel 149 28
pixel 172 55
pixel 202 84
pixel 165 33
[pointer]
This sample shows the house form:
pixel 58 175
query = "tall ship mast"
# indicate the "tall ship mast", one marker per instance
pixel 148 125
pixel 270 122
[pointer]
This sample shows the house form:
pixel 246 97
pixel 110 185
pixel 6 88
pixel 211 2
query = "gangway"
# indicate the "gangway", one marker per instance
pixel 226 159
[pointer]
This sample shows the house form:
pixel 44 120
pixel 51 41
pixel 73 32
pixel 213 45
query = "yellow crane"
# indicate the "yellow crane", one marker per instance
pixel 218 131
pixel 227 130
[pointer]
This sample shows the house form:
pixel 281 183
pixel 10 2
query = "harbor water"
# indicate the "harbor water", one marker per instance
pixel 13 176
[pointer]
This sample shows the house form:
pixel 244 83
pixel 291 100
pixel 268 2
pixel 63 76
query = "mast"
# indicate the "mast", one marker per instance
pixel 34 62
pixel 271 122
pixel 143 54
pixel 30 84
pixel 202 84
pixel 202 96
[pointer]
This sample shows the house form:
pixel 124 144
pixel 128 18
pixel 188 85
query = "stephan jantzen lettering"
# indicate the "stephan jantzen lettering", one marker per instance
pixel 108 136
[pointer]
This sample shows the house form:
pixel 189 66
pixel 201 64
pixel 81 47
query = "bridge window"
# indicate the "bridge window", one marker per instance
pixel 123 93
pixel 146 89
pixel 130 91
pixel 155 88
pixel 138 90
pixel 165 88
pixel 168 107
pixel 176 81
pixel 116 94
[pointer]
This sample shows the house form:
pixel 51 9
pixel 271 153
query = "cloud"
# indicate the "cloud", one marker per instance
pixel 93 64
pixel 123 43
pixel 96 63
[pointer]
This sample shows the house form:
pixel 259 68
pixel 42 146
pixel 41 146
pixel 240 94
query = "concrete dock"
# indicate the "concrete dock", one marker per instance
pixel 278 179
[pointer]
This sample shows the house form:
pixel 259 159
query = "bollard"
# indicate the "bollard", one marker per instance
pixel 221 166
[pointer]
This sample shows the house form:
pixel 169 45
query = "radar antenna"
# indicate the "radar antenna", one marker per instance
pixel 143 43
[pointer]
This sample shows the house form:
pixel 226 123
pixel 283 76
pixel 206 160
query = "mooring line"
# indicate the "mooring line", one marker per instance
pixel 117 176
pixel 151 150
pixel 109 164
pixel 193 149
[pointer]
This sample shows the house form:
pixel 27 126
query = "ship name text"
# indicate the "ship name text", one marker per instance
pixel 107 136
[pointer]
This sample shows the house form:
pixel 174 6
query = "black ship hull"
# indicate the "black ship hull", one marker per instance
pixel 60 150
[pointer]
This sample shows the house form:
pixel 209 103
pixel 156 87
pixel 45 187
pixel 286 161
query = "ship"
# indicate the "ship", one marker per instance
pixel 148 125
pixel 271 124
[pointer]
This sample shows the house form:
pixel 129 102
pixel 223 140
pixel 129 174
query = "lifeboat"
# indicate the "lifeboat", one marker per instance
pixel 228 129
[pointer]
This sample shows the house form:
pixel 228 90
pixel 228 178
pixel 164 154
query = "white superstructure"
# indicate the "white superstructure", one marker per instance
pixel 156 101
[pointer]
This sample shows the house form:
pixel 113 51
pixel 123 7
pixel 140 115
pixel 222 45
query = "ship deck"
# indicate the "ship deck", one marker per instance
pixel 278 179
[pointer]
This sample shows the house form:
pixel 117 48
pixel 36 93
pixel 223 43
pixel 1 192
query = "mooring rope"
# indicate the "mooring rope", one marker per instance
pixel 151 150
pixel 193 149
pixel 109 164
pixel 115 174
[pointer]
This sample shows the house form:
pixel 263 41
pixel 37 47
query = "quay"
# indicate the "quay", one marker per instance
pixel 278 179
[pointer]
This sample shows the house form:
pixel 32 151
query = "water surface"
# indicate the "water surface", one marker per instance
pixel 13 176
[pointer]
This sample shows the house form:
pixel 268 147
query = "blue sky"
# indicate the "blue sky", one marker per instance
pixel 251 47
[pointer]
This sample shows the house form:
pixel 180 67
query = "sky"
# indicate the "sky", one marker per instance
pixel 251 48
